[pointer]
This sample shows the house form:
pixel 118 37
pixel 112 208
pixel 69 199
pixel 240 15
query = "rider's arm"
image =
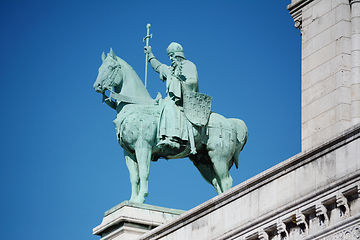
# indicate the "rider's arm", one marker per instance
pixel 156 64
pixel 160 68
pixel 191 76
pixel 152 59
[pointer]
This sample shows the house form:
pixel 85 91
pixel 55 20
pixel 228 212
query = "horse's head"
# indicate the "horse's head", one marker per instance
pixel 109 73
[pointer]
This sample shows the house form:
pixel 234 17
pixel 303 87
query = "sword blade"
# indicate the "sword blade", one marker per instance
pixel 147 44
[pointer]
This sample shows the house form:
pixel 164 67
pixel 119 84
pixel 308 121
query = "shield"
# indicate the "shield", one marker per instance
pixel 197 107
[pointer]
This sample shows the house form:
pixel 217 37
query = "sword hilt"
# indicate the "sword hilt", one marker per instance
pixel 148 35
pixel 146 38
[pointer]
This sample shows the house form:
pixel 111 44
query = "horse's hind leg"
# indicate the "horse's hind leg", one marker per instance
pixel 222 170
pixel 133 168
pixel 208 173
pixel 221 167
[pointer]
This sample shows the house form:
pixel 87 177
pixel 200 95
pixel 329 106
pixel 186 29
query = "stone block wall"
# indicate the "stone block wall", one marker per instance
pixel 326 70
pixel 329 59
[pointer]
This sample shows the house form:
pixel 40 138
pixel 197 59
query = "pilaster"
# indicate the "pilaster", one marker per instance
pixel 355 61
pixel 327 56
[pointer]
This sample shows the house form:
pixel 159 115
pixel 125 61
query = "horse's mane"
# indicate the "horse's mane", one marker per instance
pixel 130 73
pixel 122 63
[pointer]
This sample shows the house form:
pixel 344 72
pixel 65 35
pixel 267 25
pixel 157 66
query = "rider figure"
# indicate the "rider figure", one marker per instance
pixel 180 76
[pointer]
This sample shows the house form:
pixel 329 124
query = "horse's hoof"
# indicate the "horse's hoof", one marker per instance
pixel 139 200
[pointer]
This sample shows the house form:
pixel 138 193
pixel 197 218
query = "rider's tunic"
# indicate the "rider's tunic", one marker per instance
pixel 180 76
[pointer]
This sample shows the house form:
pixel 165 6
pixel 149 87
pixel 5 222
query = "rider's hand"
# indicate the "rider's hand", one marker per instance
pixel 147 50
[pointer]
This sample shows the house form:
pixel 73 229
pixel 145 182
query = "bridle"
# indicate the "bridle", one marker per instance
pixel 111 78
pixel 120 97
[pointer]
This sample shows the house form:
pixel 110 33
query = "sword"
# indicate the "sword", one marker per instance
pixel 148 35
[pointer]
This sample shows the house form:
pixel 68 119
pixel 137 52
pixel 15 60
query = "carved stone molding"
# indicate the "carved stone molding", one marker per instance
pixel 281 229
pixel 263 235
pixel 321 213
pixel 349 233
pixel 301 222
pixel 295 10
pixel 342 203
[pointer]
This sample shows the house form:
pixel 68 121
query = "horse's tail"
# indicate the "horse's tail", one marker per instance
pixel 242 136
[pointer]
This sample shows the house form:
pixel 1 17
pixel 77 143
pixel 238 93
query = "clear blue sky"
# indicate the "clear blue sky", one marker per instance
pixel 61 167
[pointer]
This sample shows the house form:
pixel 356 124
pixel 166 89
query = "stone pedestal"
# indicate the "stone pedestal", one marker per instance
pixel 130 220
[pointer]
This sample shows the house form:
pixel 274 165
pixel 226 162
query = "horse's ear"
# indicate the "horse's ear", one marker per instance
pixel 112 54
pixel 103 56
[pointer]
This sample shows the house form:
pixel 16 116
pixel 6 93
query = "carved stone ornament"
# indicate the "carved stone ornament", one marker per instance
pixel 263 235
pixel 298 24
pixel 349 233
pixel 321 213
pixel 281 229
pixel 301 222
pixel 342 203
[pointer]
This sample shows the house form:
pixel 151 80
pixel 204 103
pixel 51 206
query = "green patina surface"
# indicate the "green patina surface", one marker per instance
pixel 178 126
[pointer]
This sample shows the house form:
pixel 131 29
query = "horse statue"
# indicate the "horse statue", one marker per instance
pixel 218 144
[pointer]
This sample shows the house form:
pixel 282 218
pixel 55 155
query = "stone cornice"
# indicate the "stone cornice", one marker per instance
pixel 295 10
pixel 144 206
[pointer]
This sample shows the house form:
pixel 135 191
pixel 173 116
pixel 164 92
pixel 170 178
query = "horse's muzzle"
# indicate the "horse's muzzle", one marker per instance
pixel 98 88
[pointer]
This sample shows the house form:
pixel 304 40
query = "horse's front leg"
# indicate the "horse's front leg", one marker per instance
pixel 133 168
pixel 143 155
